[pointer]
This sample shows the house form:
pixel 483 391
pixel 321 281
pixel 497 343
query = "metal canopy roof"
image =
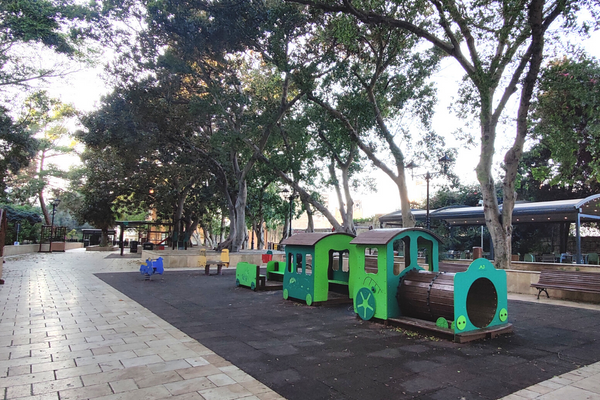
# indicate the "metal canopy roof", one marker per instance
pixel 525 212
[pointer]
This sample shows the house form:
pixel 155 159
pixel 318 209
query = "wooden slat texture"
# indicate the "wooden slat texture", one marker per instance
pixel 577 281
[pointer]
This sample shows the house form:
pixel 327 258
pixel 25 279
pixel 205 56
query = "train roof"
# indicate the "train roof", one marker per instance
pixel 309 239
pixel 384 236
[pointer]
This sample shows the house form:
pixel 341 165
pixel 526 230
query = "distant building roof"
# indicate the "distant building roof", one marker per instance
pixel 524 212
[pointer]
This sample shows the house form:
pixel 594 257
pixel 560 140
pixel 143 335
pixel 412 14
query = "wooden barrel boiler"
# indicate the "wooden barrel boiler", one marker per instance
pixel 430 295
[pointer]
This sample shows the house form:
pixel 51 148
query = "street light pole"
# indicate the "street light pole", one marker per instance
pixel 291 212
pixel 444 161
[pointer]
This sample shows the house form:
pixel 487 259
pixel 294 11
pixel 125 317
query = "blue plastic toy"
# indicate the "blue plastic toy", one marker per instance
pixel 152 267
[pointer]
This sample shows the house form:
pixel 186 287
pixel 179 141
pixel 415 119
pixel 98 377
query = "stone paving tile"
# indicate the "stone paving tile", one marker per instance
pixel 123 386
pixel 230 392
pixel 87 392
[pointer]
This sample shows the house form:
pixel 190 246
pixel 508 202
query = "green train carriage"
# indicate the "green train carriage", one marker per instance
pixel 317 264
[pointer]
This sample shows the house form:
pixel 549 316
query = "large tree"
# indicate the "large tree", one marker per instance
pixel 376 87
pixel 47 120
pixel 140 128
pixel 500 47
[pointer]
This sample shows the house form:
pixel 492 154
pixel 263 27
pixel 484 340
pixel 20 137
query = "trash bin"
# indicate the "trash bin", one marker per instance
pixel 133 245
pixel 86 242
pixel 148 246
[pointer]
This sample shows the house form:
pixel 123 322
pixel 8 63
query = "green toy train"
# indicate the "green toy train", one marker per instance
pixel 382 273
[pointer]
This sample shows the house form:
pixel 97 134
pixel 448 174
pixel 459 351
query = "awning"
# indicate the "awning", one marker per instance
pixel 574 211
pixel 587 210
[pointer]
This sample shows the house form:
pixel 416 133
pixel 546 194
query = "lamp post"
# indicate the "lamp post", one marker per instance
pixel 291 199
pixel 54 203
pixel 444 161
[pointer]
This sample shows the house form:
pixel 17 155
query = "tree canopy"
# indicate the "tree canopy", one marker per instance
pixel 566 124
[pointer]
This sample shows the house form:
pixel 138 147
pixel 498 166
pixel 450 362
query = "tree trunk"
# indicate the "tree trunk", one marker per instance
pixel 222 235
pixel 491 210
pixel 310 227
pixel 515 153
pixel 44 208
pixel 104 237
pixel 240 233
pixel 408 219
pixel 208 243
pixel 349 212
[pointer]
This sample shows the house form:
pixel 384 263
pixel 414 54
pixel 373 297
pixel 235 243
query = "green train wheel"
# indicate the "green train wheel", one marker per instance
pixel 365 304
pixel 308 300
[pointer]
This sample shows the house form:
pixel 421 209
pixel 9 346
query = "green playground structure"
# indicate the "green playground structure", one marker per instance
pixel 275 270
pixel 409 289
pixel 248 275
pixel 317 264
pixel 391 275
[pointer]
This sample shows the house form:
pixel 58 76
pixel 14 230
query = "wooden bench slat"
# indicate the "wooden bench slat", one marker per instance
pixel 576 281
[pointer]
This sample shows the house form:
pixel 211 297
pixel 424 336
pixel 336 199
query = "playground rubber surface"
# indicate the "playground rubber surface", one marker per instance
pixel 325 352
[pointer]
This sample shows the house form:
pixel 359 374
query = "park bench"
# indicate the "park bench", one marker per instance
pixel 548 258
pixel 574 281
pixel 453 268
pixel 220 263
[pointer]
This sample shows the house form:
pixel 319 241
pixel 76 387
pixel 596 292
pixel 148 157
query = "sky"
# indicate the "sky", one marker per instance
pixel 85 88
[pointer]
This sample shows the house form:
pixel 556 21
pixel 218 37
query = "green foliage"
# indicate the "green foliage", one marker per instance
pixel 566 123
pixel 57 25
pixel 36 21
pixel 468 195
pixel 29 219
pixel 17 147
pixel 46 119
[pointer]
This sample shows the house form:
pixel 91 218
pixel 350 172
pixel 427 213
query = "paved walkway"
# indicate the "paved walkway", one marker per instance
pixel 64 334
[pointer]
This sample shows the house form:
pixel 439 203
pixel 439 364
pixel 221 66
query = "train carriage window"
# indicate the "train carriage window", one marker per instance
pixel 299 263
pixel 401 254
pixel 370 262
pixel 338 261
pixel 345 255
pixel 334 260
pixel 309 267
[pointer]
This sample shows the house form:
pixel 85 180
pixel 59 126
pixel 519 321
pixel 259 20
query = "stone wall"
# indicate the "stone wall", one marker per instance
pixel 11 250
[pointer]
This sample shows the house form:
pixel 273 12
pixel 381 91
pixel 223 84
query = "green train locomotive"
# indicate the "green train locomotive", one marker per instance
pixel 403 290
